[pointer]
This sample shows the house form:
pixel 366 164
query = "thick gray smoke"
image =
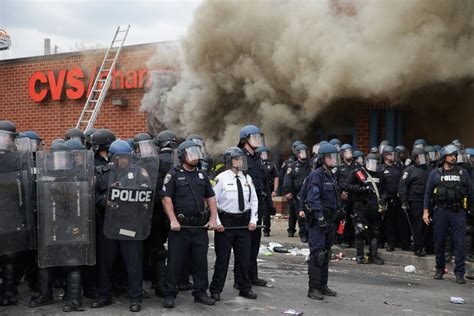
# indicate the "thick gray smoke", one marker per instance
pixel 278 64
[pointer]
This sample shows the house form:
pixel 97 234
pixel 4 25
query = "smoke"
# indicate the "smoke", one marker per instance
pixel 278 64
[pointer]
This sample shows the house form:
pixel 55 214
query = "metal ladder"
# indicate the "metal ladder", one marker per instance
pixel 101 86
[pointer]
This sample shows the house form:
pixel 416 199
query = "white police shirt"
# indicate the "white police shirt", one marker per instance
pixel 227 196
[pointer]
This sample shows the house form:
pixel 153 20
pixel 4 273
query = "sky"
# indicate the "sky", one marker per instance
pixel 75 25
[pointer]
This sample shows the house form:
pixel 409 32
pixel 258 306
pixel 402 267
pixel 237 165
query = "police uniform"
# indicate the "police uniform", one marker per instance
pixel 160 225
pixel 344 172
pixel 322 199
pixel 367 220
pixel 282 174
pixel 231 215
pixel 396 225
pixel 271 172
pixel 412 191
pixel 296 172
pixel 188 191
pixel 131 250
pixel 452 193
pixel 256 171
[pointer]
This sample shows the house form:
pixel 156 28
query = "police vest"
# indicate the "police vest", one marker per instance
pixel 451 187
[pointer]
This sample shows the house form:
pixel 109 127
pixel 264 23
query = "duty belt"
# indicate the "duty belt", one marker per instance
pixel 453 207
pixel 199 220
pixel 242 216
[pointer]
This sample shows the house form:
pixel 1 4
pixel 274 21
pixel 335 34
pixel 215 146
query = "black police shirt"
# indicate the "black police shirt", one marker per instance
pixel 188 190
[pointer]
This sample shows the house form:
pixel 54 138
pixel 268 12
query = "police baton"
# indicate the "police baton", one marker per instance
pixel 405 210
pixel 225 228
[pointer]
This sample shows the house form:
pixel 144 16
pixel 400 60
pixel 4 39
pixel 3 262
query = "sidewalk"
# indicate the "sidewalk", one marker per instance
pixel 398 257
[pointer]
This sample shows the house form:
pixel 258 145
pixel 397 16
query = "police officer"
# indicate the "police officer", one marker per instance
pixel 123 174
pixel 396 224
pixel 185 189
pixel 167 142
pixel 344 172
pixel 75 133
pixel 296 172
pixel 284 166
pixel 451 188
pixel 366 186
pixel 237 203
pixel 403 156
pixel 431 155
pixel 322 204
pixel 87 136
pixel 272 175
pixel 420 143
pixel 412 192
pixel 358 158
pixel 250 139
pixel 100 143
pixel 57 255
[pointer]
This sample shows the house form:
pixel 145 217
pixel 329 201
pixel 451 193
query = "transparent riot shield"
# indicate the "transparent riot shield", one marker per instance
pixel 66 207
pixel 17 229
pixel 129 209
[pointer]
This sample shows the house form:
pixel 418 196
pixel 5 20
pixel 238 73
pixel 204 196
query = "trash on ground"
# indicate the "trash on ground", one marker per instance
pixel 410 268
pixel 264 251
pixel 272 245
pixel 456 300
pixel 393 304
pixel 291 311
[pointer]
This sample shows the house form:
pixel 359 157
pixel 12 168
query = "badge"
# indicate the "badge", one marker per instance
pixel 201 176
pixel 144 173
pixel 130 175
pixel 167 179
pixel 163 188
pixel 405 175
pixel 386 171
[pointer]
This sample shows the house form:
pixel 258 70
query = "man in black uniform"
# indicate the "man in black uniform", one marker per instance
pixel 272 176
pixel 167 142
pixel 185 189
pixel 451 188
pixel 250 139
pixel 296 172
pixel 366 185
pixel 100 142
pixel 344 172
pixel 395 222
pixel 122 175
pixel 284 166
pixel 412 191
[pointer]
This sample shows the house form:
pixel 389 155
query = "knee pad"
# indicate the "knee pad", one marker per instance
pixel 319 258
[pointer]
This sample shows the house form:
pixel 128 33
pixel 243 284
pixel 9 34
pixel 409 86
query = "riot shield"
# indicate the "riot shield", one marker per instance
pixel 66 206
pixel 17 231
pixel 132 184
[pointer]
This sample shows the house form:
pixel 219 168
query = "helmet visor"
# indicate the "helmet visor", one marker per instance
pixel 347 154
pixel 194 153
pixel 201 145
pixel 238 162
pixel 256 140
pixel 302 153
pixel 421 159
pixel 371 164
pixel 432 156
pixel 7 140
pixel 146 148
pixel 23 144
pixel 62 160
pixel 330 160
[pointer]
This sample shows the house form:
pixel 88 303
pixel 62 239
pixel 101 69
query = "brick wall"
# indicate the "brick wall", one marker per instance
pixel 363 130
pixel 52 118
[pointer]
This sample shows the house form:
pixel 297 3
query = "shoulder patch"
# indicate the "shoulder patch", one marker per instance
pixel 144 173
pixel 167 179
pixel 405 175
pixel 288 171
pixel 201 176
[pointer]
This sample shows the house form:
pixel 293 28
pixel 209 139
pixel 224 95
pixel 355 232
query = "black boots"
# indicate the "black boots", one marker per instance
pixel 45 285
pixel 8 285
pixel 74 289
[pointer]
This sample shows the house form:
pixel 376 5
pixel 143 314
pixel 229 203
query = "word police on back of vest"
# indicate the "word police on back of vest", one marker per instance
pixel 130 195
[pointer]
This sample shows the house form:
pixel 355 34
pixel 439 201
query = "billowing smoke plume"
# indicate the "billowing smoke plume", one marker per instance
pixel 278 64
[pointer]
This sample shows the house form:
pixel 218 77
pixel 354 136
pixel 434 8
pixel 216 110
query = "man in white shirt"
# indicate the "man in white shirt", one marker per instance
pixel 237 203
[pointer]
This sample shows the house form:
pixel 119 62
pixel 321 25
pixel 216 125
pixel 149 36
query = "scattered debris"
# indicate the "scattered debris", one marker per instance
pixel 291 311
pixel 393 304
pixel 456 300
pixel 410 269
